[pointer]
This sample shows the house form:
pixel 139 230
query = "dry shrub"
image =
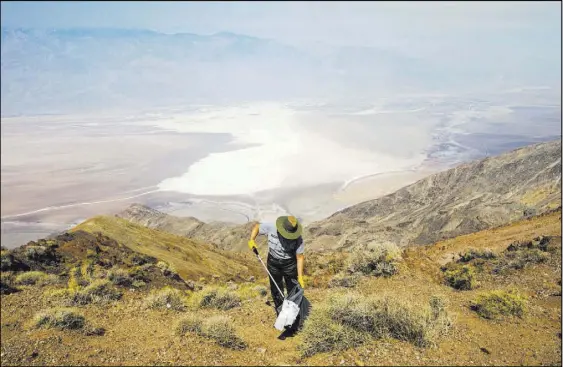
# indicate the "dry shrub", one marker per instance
pixel 215 297
pixel 6 260
pixel 166 298
pixel 250 291
pixel 345 281
pixel 460 277
pixel 99 292
pixel 261 290
pixel 520 257
pixel 321 334
pixel 167 269
pixel 348 320
pixel 7 283
pixel 36 278
pixel 189 324
pixel 120 277
pixel 219 328
pixel 60 318
pixel 498 303
pixel 379 259
pixel 471 254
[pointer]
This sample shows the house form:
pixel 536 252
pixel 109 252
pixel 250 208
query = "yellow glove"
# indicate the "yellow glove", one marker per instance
pixel 251 245
pixel 301 282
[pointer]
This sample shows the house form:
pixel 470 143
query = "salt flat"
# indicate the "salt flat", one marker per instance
pixel 242 162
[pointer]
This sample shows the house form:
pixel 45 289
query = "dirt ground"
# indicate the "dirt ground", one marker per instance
pixel 136 336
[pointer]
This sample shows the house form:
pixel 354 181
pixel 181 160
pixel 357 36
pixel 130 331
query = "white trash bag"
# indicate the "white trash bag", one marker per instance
pixel 287 316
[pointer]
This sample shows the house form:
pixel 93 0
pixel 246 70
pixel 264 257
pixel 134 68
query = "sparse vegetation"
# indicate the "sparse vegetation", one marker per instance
pixel 60 318
pixel 99 292
pixel 166 298
pixel 119 277
pixel 189 324
pixel 249 291
pixel 345 281
pixel 138 284
pixel 215 297
pixel 377 260
pixel 6 260
pixel 140 273
pixel 461 277
pixel 140 259
pixel 320 334
pixel 348 320
pixel 35 252
pixel 518 256
pixel 7 283
pixel 499 303
pixel 472 254
pixel 219 328
pixel 36 278
pixel 167 269
pixel 262 290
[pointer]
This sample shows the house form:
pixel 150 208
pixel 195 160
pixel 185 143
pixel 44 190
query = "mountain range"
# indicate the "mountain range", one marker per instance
pixel 70 70
pixel 471 197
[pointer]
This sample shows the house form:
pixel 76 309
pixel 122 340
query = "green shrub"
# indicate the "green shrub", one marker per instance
pixel 60 318
pixel 213 297
pixel 496 304
pixel 166 298
pixel 344 281
pixel 377 260
pixel 461 277
pixel 36 277
pixel 120 277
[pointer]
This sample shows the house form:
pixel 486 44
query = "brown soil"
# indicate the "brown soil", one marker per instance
pixel 135 336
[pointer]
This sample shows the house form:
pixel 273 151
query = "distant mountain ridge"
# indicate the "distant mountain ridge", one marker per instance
pixel 468 198
pixel 68 70
pixel 225 236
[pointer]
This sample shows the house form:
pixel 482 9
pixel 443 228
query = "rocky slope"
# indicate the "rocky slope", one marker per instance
pixel 190 258
pixel 468 198
pixel 223 235
pixel 131 333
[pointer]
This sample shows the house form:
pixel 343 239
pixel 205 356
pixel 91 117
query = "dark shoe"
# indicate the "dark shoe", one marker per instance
pixel 287 333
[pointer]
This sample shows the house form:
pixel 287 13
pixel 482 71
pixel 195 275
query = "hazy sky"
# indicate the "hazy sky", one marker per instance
pixel 398 24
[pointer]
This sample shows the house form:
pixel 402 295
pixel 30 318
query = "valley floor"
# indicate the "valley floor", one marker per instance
pixel 136 336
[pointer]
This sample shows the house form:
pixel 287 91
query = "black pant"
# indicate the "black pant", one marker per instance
pixel 285 270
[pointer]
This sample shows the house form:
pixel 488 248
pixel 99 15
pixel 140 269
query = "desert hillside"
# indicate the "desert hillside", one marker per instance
pixel 492 297
pixel 468 198
pixel 226 236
